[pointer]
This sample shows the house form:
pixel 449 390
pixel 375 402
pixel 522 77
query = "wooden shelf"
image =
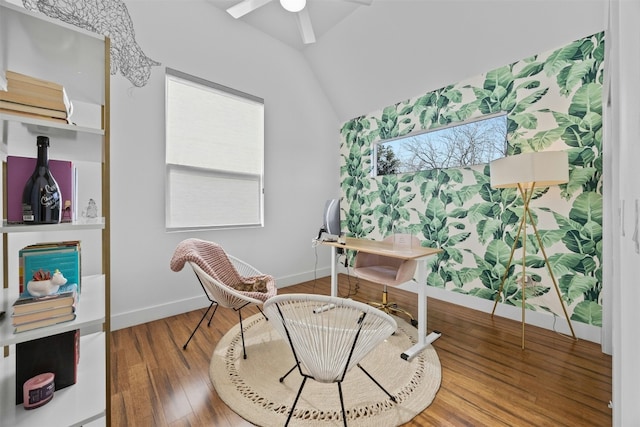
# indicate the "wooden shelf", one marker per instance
pixel 98 224
pixel 75 405
pixel 89 312
pixel 43 125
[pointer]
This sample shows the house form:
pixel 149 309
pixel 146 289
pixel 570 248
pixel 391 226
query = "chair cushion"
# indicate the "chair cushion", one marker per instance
pixel 253 284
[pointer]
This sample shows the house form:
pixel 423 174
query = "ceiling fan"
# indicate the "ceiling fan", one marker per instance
pixel 295 6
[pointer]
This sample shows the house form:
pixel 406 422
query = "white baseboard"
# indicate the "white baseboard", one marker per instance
pixel 151 313
pixel 308 276
pixel 542 320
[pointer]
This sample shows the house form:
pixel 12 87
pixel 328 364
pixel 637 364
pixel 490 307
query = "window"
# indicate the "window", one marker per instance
pixel 214 155
pixel 465 144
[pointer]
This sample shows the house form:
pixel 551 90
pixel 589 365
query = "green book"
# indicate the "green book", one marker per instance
pixel 49 257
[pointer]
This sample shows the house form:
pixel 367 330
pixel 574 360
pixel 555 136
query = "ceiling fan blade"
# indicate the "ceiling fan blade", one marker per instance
pixel 246 6
pixel 364 2
pixel 305 27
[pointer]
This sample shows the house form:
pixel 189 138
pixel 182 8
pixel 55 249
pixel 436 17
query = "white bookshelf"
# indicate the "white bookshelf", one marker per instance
pixel 45 48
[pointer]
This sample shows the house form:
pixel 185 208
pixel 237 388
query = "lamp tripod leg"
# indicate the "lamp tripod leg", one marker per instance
pixel 526 197
pixel 506 271
pixel 524 271
pixel 553 277
pixel 526 194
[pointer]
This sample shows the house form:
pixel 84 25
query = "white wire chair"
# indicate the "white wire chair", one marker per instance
pixel 217 272
pixel 328 336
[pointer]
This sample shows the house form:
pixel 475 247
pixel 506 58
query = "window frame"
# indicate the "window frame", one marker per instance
pixel 423 132
pixel 244 188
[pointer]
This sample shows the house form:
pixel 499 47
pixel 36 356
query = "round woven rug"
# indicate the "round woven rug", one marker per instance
pixel 251 387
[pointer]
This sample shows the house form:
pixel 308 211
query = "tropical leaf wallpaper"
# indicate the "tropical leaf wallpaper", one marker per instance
pixel 553 101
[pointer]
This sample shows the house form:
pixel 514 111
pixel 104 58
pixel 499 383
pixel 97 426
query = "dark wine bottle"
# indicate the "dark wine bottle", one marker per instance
pixel 41 196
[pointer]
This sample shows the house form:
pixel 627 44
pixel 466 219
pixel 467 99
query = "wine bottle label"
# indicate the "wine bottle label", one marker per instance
pixel 51 197
pixel 27 212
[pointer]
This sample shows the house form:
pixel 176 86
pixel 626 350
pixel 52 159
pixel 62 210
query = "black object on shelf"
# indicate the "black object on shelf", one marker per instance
pixel 41 201
pixel 58 354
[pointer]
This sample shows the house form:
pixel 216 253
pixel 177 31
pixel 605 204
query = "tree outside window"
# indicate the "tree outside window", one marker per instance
pixel 466 144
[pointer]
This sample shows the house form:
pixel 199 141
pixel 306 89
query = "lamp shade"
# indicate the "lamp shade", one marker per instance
pixel 544 168
pixel 293 5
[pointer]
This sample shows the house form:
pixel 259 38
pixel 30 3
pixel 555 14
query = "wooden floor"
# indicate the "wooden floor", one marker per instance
pixel 487 380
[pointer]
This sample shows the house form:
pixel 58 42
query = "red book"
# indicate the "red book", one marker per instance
pixel 19 169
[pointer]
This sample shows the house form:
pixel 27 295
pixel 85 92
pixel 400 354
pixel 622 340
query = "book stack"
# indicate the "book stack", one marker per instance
pixel 33 97
pixel 31 312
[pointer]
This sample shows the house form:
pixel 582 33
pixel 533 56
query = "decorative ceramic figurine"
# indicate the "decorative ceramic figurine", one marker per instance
pixel 92 209
pixel 44 284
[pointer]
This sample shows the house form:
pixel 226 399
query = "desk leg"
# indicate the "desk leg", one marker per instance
pixel 334 271
pixel 423 339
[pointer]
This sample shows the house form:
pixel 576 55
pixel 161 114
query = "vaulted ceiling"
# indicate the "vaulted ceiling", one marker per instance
pixel 368 57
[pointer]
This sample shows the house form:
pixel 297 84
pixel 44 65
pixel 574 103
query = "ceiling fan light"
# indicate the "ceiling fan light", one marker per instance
pixel 293 5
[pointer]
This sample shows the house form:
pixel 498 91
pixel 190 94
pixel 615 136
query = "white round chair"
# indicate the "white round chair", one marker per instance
pixel 328 336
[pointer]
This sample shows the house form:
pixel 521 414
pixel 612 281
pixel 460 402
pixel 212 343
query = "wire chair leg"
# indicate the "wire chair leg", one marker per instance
pixel 393 399
pixel 244 350
pixel 263 315
pixel 214 312
pixel 184 347
pixel 344 413
pixel 304 380
pixel 288 372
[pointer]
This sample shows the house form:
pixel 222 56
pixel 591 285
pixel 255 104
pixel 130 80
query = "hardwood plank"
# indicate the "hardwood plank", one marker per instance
pixel 487 379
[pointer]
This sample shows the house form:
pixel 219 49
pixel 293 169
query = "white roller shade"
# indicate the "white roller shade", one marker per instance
pixel 214 155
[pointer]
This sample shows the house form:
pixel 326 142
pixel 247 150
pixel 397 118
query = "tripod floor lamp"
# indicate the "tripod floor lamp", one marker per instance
pixel 526 172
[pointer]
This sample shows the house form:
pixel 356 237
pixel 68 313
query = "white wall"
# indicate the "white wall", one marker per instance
pixel 301 147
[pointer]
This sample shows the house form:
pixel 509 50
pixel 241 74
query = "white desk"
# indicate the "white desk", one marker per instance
pixel 419 254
